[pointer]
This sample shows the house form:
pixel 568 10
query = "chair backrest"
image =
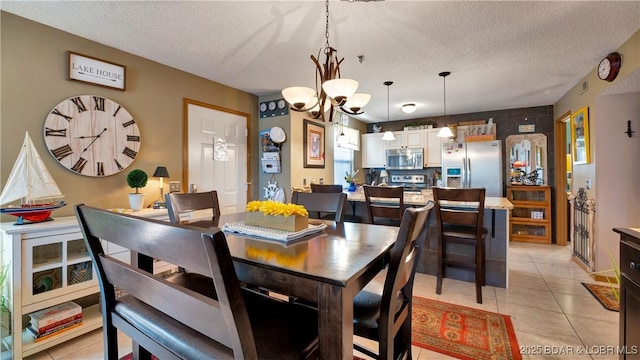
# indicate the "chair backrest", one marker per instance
pixel 322 188
pixel 180 203
pixel 461 207
pixel 384 202
pixel 395 305
pixel 322 203
pixel 224 320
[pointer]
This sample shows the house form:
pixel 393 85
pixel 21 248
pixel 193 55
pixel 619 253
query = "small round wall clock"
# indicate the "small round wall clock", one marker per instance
pixel 92 135
pixel 609 67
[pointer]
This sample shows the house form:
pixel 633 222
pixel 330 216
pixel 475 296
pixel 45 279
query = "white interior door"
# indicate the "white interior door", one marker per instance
pixel 217 155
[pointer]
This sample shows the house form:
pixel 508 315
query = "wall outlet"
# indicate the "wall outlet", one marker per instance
pixel 588 184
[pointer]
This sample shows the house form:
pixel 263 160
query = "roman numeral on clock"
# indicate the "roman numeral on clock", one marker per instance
pixel 118 165
pixel 100 168
pixel 66 117
pixel 99 103
pixel 79 104
pixel 130 153
pixel 62 152
pixel 79 165
pixel 128 123
pixel 117 109
pixel 133 138
pixel 55 132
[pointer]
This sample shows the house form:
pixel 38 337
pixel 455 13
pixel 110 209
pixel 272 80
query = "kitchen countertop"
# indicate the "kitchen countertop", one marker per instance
pixel 496 203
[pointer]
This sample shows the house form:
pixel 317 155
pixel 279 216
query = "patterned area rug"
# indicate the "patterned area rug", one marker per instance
pixel 462 332
pixel 605 295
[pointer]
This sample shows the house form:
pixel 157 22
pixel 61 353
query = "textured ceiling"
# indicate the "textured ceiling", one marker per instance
pixel 501 54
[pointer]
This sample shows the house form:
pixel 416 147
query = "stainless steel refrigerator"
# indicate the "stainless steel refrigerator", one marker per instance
pixel 473 164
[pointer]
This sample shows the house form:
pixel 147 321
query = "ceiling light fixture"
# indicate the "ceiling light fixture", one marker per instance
pixel 388 135
pixel 409 108
pixel 446 130
pixel 340 92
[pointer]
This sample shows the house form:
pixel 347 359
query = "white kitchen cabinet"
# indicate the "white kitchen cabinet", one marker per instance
pixel 49 265
pixel 373 147
pixel 433 148
pixel 407 139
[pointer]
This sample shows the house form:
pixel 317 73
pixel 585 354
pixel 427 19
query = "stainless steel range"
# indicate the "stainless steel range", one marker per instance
pixel 410 183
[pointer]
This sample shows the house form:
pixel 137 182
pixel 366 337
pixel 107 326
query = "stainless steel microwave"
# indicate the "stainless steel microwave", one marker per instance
pixel 404 159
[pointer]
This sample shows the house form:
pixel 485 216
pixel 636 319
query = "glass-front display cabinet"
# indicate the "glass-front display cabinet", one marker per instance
pixel 530 219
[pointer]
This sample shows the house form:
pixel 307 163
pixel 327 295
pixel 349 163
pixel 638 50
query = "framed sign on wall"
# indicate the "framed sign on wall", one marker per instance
pixel 580 136
pixel 313 145
pixel 95 71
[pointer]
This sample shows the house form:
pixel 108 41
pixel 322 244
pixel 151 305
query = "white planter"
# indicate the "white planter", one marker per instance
pixel 136 201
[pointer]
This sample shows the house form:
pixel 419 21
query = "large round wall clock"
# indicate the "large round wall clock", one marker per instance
pixel 92 135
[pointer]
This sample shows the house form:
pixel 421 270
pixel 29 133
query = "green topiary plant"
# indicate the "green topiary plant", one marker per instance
pixel 137 179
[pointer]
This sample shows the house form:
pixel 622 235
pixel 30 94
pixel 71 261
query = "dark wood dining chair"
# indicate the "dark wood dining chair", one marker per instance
pixel 181 203
pixel 459 218
pixel 322 204
pixel 211 319
pixel 326 188
pixel 385 204
pixel 386 317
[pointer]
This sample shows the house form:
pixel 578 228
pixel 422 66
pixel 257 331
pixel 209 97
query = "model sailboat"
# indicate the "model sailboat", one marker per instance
pixel 30 182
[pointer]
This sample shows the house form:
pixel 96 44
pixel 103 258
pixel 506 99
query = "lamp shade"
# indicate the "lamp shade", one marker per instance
pixel 445 132
pixel 388 136
pixel 299 96
pixel 340 89
pixel 384 173
pixel 161 171
pixel 357 101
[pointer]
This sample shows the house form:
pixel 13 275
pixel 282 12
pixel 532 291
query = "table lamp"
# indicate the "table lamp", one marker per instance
pixel 161 172
pixel 384 176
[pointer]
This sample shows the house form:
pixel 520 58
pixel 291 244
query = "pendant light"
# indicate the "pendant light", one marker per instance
pixel 445 131
pixel 388 135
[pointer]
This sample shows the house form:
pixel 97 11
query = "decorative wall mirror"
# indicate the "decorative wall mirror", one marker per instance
pixel 527 154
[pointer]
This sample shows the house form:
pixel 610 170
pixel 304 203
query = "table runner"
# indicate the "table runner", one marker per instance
pixel 281 236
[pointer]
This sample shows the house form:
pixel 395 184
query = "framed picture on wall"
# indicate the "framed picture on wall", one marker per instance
pixel 95 71
pixel 580 136
pixel 313 144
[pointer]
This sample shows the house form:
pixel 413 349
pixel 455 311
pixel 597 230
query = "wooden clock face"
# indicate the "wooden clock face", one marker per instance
pixel 92 135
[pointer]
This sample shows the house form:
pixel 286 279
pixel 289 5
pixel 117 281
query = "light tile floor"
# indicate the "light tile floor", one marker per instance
pixel 551 311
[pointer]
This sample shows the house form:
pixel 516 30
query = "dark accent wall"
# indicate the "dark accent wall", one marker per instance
pixel 507 122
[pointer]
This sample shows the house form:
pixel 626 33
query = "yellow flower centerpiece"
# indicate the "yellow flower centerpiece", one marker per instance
pixel 277 215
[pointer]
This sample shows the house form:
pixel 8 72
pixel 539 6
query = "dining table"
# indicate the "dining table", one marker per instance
pixel 327 268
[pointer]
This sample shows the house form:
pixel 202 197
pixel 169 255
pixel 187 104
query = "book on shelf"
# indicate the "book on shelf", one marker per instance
pixel 62 328
pixel 40 330
pixel 48 316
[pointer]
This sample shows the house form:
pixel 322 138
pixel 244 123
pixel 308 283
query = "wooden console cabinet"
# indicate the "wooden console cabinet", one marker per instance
pixel 629 292
pixel 530 219
pixel 44 260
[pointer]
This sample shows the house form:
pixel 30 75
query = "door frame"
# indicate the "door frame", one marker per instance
pixel 185 139
pixel 560 161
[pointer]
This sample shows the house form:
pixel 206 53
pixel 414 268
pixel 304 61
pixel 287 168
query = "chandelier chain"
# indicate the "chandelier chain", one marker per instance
pixel 326 26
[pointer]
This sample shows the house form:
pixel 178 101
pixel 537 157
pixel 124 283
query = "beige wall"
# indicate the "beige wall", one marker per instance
pixel 615 161
pixel 573 100
pixel 33 80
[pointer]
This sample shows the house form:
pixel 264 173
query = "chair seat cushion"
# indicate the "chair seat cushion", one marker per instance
pixel 168 332
pixel 461 231
pixel 281 330
pixel 366 308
